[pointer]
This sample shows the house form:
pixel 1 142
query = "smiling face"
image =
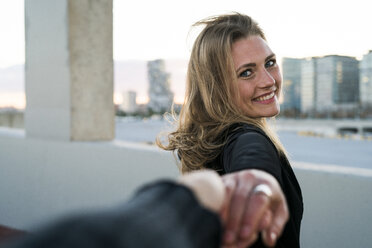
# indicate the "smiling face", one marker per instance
pixel 259 78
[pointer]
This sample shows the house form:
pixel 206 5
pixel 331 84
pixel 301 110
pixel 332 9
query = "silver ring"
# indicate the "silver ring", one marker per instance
pixel 263 189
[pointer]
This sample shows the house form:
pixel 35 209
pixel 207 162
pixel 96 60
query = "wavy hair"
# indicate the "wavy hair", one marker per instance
pixel 210 108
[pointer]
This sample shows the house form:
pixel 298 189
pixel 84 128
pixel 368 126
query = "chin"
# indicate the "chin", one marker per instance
pixel 272 113
pixel 263 112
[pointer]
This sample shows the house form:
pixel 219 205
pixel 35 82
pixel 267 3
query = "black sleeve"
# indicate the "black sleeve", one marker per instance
pixel 163 214
pixel 251 150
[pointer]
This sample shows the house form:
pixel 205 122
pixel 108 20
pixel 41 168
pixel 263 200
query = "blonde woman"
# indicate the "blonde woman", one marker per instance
pixel 233 85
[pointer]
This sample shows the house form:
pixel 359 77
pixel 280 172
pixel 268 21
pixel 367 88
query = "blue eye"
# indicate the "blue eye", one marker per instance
pixel 246 73
pixel 270 63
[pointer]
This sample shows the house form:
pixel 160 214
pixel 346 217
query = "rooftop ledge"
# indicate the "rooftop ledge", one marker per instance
pixel 56 177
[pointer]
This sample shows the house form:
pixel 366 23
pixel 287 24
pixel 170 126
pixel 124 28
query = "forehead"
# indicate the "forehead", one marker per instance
pixel 252 49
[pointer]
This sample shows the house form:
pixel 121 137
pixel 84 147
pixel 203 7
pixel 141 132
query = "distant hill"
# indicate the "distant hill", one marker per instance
pixel 128 75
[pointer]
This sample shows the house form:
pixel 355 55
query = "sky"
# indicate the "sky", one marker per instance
pixel 294 28
pixel 147 29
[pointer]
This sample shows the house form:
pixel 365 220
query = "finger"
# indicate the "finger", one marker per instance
pixel 280 218
pixel 279 211
pixel 257 206
pixel 264 226
pixel 237 206
pixel 268 239
pixel 266 220
pixel 248 242
pixel 230 185
pixel 269 236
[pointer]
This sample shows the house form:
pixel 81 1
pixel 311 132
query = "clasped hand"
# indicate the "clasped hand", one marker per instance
pixel 244 211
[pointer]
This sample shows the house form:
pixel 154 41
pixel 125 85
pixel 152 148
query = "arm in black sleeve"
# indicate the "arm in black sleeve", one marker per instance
pixel 163 214
pixel 251 150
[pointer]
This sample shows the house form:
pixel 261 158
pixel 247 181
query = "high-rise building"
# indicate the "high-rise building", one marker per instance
pixel 129 104
pixel 308 85
pixel 291 69
pixel 365 79
pixel 337 82
pixel 160 95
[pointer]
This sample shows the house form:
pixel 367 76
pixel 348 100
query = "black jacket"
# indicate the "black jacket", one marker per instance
pixel 248 147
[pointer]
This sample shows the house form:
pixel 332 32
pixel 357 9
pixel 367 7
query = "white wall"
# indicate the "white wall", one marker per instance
pixel 338 206
pixel 41 180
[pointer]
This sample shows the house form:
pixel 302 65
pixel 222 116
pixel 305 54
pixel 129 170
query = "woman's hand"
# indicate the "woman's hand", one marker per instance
pixel 246 212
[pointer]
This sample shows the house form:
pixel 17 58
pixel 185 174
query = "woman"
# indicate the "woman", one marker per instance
pixel 233 84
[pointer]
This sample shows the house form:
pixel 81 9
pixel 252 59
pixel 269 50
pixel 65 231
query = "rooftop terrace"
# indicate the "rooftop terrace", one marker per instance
pixel 67 161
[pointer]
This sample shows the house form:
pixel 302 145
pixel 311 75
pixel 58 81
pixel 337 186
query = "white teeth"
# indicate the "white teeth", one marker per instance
pixel 267 97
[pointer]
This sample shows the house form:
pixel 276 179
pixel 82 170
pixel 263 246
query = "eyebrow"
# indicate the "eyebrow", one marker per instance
pixel 254 64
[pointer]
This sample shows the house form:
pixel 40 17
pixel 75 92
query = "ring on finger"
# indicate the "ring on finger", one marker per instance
pixel 263 189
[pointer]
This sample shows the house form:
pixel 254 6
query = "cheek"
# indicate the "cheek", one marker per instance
pixel 246 91
pixel 280 89
pixel 278 81
pixel 278 78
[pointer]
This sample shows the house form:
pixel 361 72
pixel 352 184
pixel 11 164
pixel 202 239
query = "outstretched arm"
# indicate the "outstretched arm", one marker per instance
pixel 183 214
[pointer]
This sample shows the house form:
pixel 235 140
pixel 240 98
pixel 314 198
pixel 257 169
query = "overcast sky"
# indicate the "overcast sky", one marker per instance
pixel 147 29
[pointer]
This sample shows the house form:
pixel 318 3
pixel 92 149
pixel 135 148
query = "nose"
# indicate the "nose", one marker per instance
pixel 266 79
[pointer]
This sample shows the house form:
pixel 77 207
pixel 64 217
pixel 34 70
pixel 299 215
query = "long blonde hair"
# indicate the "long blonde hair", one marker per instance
pixel 210 108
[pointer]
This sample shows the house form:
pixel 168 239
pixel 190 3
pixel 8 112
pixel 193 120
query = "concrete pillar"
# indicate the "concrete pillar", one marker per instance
pixel 69 70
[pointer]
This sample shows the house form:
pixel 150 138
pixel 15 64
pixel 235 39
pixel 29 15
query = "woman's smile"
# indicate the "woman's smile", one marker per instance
pixel 265 99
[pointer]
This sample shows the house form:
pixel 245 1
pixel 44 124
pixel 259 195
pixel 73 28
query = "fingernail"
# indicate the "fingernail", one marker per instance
pixel 245 232
pixel 273 236
pixel 229 237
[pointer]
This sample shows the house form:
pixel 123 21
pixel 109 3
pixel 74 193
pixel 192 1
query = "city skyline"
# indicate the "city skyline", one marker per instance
pixel 332 85
pixel 130 75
